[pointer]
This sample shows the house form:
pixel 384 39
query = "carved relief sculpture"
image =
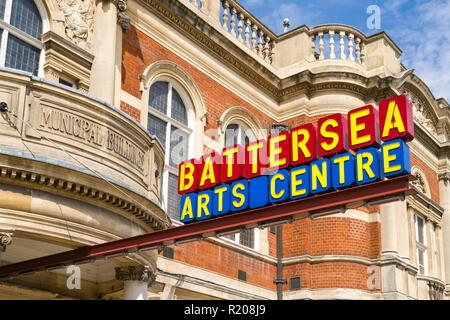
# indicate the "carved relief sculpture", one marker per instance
pixel 78 20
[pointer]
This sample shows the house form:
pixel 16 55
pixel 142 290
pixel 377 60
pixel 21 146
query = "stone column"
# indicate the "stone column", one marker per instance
pixel 103 67
pixel 444 197
pixel 136 280
pixel 388 214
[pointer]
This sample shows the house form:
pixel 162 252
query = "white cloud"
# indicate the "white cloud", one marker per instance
pixel 424 37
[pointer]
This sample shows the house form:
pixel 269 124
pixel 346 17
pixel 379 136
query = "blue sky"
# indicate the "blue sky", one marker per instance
pixel 420 28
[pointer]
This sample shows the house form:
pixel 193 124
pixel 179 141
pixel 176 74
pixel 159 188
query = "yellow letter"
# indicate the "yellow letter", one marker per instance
pixel 220 192
pixel 327 134
pixel 202 205
pixel 355 128
pixel 341 161
pixel 272 186
pixel 393 112
pixel 184 176
pixel 366 166
pixel 317 175
pixel 228 153
pixel 208 172
pixel 387 158
pixel 273 152
pixel 254 159
pixel 187 209
pixel 302 144
pixel 241 197
pixel 295 182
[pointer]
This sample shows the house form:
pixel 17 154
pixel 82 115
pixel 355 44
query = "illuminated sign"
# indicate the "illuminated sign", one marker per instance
pixel 366 145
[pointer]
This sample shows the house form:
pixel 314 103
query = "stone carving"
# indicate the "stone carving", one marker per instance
pixel 122 18
pixel 78 20
pixel 420 113
pixel 445 176
pixel 435 290
pixel 5 239
pixel 141 273
pixel 419 183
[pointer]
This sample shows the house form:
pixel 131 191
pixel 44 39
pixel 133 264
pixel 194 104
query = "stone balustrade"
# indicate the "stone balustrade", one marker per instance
pixel 240 24
pixel 335 44
pixel 334 41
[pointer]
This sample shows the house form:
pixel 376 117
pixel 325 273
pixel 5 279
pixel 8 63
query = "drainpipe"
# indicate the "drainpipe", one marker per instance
pixel 279 281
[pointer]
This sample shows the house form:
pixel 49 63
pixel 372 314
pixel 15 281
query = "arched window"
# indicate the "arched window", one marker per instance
pixel 239 133
pixel 20 35
pixel 168 121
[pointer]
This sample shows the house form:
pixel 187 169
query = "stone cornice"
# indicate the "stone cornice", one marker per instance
pixel 97 196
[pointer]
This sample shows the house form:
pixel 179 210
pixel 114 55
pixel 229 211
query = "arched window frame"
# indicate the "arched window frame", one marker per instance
pixel 187 128
pixel 250 125
pixel 165 70
pixel 9 29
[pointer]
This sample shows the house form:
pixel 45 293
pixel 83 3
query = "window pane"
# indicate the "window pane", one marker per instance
pixel 158 96
pixel 178 146
pixel 420 229
pixel 25 16
pixel 420 256
pixel 173 199
pixel 178 108
pixel 231 135
pixel 157 127
pixel 21 55
pixel 2 10
pixel 247 238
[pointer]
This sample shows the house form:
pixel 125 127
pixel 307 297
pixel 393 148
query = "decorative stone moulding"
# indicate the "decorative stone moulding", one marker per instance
pixel 63 58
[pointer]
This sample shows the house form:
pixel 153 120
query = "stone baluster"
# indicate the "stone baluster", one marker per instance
pixel 271 51
pixel 254 30
pixel 350 38
pixel 225 6
pixel 332 54
pixel 363 53
pixel 260 42
pixel 266 48
pixel 240 27
pixel 313 46
pixel 358 50
pixel 247 32
pixel 202 5
pixel 321 56
pixel 195 3
pixel 233 22
pixel 342 45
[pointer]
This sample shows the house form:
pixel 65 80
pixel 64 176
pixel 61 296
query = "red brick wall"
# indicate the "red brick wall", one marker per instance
pixel 226 261
pixel 131 111
pixel 139 51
